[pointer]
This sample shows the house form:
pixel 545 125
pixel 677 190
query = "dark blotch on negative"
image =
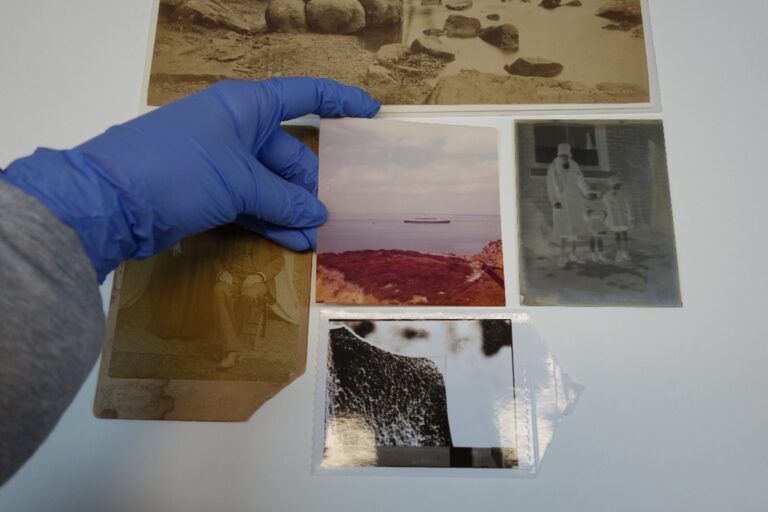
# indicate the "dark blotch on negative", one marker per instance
pixel 496 334
pixel 363 328
pixel 409 333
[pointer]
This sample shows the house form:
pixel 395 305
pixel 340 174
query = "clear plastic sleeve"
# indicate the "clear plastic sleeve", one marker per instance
pixel 435 394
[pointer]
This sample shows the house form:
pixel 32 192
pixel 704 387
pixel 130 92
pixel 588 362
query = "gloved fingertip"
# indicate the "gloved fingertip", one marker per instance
pixel 359 103
pixel 342 100
pixel 374 108
pixel 365 105
pixel 322 213
pixel 315 214
pixel 310 235
pixel 295 240
pixel 299 96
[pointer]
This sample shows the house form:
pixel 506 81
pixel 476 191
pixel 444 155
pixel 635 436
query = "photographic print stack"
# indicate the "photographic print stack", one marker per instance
pixel 423 364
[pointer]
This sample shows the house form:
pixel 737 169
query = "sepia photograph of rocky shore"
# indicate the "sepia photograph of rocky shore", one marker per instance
pixel 411 52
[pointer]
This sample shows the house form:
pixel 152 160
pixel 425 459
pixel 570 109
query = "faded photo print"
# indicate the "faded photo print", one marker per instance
pixel 595 217
pixel 413 214
pixel 420 393
pixel 411 52
pixel 223 305
pixel 207 330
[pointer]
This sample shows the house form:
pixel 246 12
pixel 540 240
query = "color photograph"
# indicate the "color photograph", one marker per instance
pixel 413 214
pixel 595 215
pixel 411 52
pixel 420 393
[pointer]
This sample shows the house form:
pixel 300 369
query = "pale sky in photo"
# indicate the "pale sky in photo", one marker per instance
pixel 375 166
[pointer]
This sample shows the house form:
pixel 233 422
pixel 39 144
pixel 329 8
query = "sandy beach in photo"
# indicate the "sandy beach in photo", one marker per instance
pixel 410 52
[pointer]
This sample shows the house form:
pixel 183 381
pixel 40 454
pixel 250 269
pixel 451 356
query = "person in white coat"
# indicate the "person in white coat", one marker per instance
pixel 619 219
pixel 567 193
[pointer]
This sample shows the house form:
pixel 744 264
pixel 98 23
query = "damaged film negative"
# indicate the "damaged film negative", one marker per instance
pixel 595 214
pixel 403 392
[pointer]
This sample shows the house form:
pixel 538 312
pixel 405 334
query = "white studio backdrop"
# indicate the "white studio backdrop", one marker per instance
pixel 674 413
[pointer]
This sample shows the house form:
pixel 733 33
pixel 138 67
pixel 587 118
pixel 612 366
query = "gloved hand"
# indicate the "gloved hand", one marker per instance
pixel 215 157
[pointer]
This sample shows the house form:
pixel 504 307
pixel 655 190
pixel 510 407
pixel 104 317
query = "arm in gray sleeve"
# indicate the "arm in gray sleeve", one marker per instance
pixel 51 323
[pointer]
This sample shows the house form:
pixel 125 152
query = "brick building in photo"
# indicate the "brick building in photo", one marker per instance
pixel 633 152
pixel 635 264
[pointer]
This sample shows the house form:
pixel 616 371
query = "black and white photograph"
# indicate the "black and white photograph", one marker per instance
pixel 412 52
pixel 419 393
pixel 595 215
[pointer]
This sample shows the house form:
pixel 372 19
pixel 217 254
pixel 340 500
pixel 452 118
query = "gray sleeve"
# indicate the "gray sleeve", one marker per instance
pixel 51 323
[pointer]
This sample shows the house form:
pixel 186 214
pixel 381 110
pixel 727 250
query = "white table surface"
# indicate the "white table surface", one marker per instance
pixel 674 414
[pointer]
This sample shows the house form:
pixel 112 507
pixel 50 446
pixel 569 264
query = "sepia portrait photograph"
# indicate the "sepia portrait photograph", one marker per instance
pixel 225 305
pixel 419 393
pixel 595 215
pixel 413 214
pixel 411 52
pixel 209 329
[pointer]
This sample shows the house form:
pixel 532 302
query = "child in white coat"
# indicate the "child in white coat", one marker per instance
pixel 619 217
pixel 596 220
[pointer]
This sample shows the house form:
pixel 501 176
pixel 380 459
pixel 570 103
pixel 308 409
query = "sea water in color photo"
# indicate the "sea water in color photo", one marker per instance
pixel 427 233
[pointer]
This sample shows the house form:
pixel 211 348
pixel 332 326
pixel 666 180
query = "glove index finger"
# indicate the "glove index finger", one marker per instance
pixel 301 96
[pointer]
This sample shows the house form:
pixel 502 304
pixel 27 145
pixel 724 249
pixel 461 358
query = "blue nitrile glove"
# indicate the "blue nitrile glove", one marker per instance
pixel 215 157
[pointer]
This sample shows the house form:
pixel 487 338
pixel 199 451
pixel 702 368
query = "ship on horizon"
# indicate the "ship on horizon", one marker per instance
pixel 424 219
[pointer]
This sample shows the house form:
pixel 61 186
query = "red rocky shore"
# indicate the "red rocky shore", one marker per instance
pixel 410 277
